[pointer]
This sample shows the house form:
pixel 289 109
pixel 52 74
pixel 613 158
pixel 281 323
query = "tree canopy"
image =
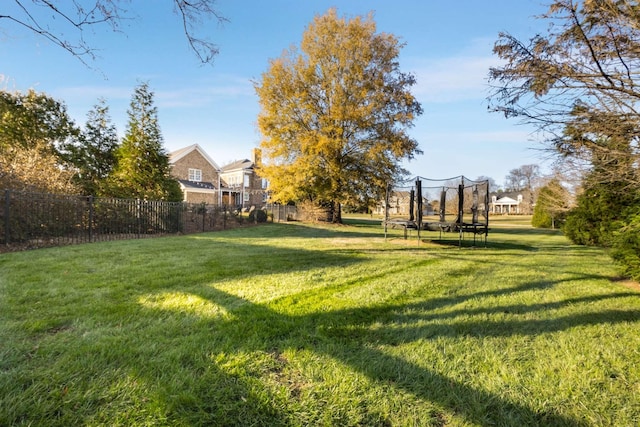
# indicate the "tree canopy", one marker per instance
pixel 33 128
pixel 578 83
pixel 522 178
pixel 335 114
pixel 552 204
pixel 31 118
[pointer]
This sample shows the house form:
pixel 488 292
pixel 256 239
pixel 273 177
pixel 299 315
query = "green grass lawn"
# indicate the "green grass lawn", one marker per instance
pixel 298 324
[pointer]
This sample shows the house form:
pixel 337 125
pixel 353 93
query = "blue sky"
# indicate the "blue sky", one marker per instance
pixel 448 48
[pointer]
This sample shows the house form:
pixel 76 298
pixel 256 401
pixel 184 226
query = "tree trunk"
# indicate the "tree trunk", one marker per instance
pixel 336 212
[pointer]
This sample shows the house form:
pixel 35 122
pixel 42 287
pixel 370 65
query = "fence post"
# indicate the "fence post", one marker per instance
pixel 90 200
pixel 7 211
pixel 203 208
pixel 224 217
pixel 139 216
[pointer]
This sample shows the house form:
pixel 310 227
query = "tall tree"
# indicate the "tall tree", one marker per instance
pixel 33 128
pixel 577 83
pixel 93 153
pixel 142 170
pixel 523 178
pixel 65 23
pixel 334 115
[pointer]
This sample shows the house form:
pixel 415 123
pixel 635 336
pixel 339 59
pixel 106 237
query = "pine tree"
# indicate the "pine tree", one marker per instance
pixel 94 152
pixel 142 169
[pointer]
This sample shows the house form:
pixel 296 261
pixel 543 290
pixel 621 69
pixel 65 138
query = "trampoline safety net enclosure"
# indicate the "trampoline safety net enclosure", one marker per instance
pixel 456 204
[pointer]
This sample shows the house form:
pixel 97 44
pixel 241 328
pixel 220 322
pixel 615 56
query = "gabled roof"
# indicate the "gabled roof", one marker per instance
pixel 238 165
pixel 512 194
pixel 506 200
pixel 179 154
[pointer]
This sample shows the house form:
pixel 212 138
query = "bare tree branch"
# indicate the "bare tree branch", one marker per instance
pixel 577 84
pixel 76 17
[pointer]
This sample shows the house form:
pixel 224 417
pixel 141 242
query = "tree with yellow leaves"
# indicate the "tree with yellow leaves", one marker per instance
pixel 334 116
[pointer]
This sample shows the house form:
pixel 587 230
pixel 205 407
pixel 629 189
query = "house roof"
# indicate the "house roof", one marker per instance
pixel 193 185
pixel 505 201
pixel 512 194
pixel 182 152
pixel 238 165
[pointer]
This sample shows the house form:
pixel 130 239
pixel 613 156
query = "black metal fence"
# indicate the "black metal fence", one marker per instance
pixel 31 220
pixel 281 213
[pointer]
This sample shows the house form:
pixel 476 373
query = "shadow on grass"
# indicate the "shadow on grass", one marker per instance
pixel 528 231
pixel 302 230
pixel 332 334
pixel 481 244
pixel 230 396
pixel 342 335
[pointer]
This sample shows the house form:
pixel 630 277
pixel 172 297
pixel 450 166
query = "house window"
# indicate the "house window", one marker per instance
pixel 246 181
pixel 195 175
pixel 246 196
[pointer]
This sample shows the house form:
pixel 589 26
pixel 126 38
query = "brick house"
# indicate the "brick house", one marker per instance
pixel 241 185
pixel 197 173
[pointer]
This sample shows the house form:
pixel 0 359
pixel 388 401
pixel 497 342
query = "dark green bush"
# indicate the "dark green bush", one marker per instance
pixel 598 213
pixel 625 244
pixel 257 215
pixel 609 215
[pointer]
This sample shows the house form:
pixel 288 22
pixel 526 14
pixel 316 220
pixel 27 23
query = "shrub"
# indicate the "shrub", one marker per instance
pixel 625 244
pixel 257 215
pixel 608 214
pixel 598 213
pixel 541 218
pixel 551 206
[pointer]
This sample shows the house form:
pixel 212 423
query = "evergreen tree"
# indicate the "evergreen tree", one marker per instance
pixel 601 211
pixel 142 170
pixel 94 152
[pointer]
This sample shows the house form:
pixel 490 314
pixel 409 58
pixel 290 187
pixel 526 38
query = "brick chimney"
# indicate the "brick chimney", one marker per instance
pixel 256 157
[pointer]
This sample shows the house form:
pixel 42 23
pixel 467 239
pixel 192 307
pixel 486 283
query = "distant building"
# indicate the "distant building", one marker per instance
pixel 511 203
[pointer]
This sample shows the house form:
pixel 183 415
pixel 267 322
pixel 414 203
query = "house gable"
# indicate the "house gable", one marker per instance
pixel 178 155
pixel 197 173
pixel 196 159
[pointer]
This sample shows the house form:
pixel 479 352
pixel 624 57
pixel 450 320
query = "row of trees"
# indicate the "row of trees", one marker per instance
pixel 578 85
pixel 41 149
